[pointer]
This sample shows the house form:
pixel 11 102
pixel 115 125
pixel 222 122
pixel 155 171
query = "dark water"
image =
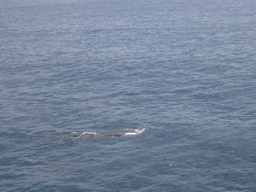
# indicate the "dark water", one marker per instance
pixel 79 81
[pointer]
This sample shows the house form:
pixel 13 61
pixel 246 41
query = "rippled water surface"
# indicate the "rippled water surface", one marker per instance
pixel 128 95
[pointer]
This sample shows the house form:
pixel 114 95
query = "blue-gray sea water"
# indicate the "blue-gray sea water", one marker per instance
pixel 128 95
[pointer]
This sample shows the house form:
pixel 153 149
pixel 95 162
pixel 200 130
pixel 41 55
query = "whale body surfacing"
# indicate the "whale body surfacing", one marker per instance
pixel 117 135
pixel 111 134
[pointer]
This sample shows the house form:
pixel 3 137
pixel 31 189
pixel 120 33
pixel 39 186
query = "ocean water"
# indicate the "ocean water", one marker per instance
pixel 128 95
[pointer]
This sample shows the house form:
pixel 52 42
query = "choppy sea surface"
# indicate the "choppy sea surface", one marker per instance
pixel 128 95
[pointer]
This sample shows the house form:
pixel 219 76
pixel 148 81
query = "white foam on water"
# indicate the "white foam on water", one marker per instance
pixel 135 132
pixel 84 134
pixel 88 133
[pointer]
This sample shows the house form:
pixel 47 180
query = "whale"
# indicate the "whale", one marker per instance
pixel 124 134
pixel 127 133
